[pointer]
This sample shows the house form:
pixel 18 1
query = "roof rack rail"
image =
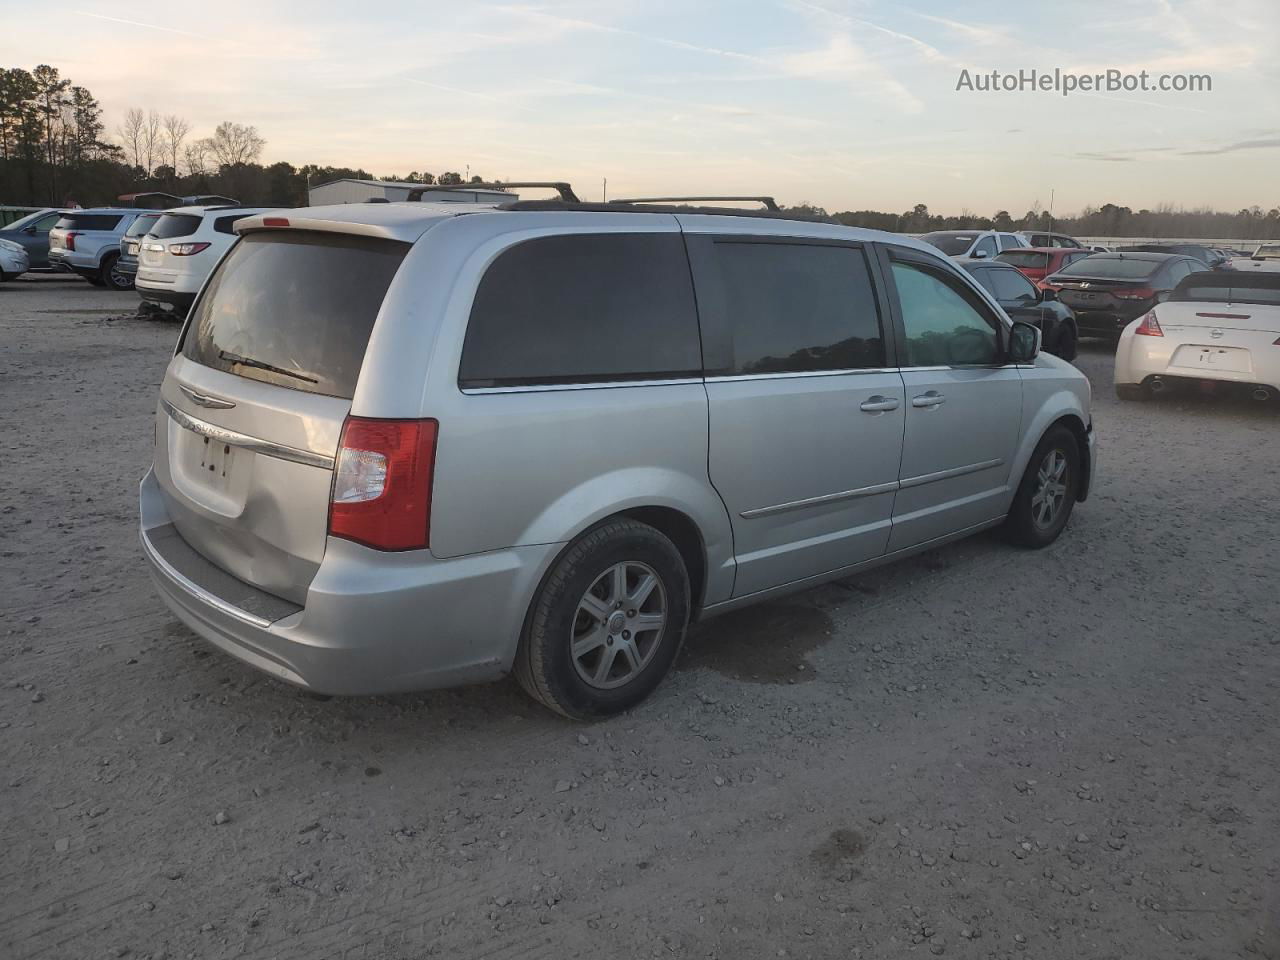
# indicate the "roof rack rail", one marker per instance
pixel 769 202
pixel 562 188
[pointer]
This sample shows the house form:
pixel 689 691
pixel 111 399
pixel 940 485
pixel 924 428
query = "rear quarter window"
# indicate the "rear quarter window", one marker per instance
pixel 580 308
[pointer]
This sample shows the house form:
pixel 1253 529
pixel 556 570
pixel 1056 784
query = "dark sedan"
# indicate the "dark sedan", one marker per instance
pixel 1107 290
pixel 1023 300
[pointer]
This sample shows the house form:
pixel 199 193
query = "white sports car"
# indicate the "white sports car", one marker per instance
pixel 1219 327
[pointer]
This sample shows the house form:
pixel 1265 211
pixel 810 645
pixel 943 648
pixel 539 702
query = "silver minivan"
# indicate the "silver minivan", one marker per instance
pixel 402 446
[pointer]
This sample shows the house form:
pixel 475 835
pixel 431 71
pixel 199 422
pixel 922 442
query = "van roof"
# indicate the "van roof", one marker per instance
pixel 407 221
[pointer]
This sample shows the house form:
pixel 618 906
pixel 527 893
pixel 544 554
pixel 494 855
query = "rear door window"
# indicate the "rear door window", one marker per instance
pixel 294 308
pixel 796 307
pixel 579 308
pixel 176 225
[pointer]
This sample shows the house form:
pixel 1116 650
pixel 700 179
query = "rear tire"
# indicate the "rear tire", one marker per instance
pixel 1132 391
pixel 1047 492
pixel 607 622
pixel 112 278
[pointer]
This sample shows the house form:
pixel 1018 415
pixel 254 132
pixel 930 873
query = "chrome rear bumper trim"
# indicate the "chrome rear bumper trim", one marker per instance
pixel 204 596
pixel 234 439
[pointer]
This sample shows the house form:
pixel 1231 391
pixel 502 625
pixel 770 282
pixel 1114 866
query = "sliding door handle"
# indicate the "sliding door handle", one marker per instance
pixel 930 399
pixel 878 404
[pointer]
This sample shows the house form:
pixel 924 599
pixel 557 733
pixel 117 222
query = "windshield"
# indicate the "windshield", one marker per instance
pixel 141 226
pixel 952 244
pixel 1111 268
pixel 1025 259
pixel 294 309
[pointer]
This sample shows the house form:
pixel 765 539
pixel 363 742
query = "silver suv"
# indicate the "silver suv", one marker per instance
pixel 87 242
pixel 403 446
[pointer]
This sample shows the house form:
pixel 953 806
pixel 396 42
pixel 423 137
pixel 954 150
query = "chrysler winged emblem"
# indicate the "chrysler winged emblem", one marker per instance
pixel 204 400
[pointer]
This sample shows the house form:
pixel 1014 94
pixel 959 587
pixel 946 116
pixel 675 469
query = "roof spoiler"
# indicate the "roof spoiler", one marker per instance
pixel 562 188
pixel 769 202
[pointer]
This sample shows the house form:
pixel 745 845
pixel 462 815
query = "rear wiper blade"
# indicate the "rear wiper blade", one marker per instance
pixel 263 365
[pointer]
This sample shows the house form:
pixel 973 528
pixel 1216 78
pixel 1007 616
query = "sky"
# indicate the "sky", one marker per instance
pixel 847 104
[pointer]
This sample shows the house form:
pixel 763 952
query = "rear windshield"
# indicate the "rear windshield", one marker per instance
pixel 87 221
pixel 1111 268
pixel 294 309
pixel 141 226
pixel 1020 259
pixel 1268 251
pixel 1229 287
pixel 952 244
pixel 176 225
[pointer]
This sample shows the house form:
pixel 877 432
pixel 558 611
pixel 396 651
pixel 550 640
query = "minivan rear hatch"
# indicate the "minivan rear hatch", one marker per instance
pixel 252 405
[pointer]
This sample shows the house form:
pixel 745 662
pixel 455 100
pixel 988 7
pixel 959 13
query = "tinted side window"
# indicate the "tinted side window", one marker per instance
pixel 985 280
pixel 943 328
pixel 584 307
pixel 1012 285
pixel 88 221
pixel 797 307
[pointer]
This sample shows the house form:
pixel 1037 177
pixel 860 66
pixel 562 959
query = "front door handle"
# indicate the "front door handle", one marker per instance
pixel 930 399
pixel 878 404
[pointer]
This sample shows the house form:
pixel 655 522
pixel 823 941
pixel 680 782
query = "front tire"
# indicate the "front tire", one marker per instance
pixel 1047 492
pixel 607 621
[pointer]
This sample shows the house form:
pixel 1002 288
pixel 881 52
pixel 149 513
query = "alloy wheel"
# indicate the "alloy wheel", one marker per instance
pixel 1051 489
pixel 619 625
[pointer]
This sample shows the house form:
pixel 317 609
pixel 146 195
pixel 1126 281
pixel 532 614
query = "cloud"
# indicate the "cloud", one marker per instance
pixel 1266 143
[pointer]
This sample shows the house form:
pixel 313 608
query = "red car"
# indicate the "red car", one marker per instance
pixel 1036 263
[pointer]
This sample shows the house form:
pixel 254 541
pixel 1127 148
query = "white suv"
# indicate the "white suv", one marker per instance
pixel 181 249
pixel 978 244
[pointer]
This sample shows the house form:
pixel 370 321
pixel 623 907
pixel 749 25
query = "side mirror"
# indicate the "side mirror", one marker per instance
pixel 1024 342
pixel 980 254
pixel 1048 294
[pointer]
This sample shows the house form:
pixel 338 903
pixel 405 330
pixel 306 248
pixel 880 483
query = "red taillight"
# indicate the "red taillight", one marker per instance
pixel 1150 326
pixel 382 483
pixel 1134 293
pixel 275 221
pixel 186 249
pixel 71 241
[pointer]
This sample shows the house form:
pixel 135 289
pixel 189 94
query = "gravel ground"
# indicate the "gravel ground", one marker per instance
pixel 981 752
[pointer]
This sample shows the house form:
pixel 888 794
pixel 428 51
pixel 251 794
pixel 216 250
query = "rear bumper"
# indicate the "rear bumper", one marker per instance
pixel 1106 322
pixel 72 262
pixel 372 623
pixel 1140 358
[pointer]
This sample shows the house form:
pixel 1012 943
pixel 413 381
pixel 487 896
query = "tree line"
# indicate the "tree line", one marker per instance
pixel 55 151
pixel 1108 220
